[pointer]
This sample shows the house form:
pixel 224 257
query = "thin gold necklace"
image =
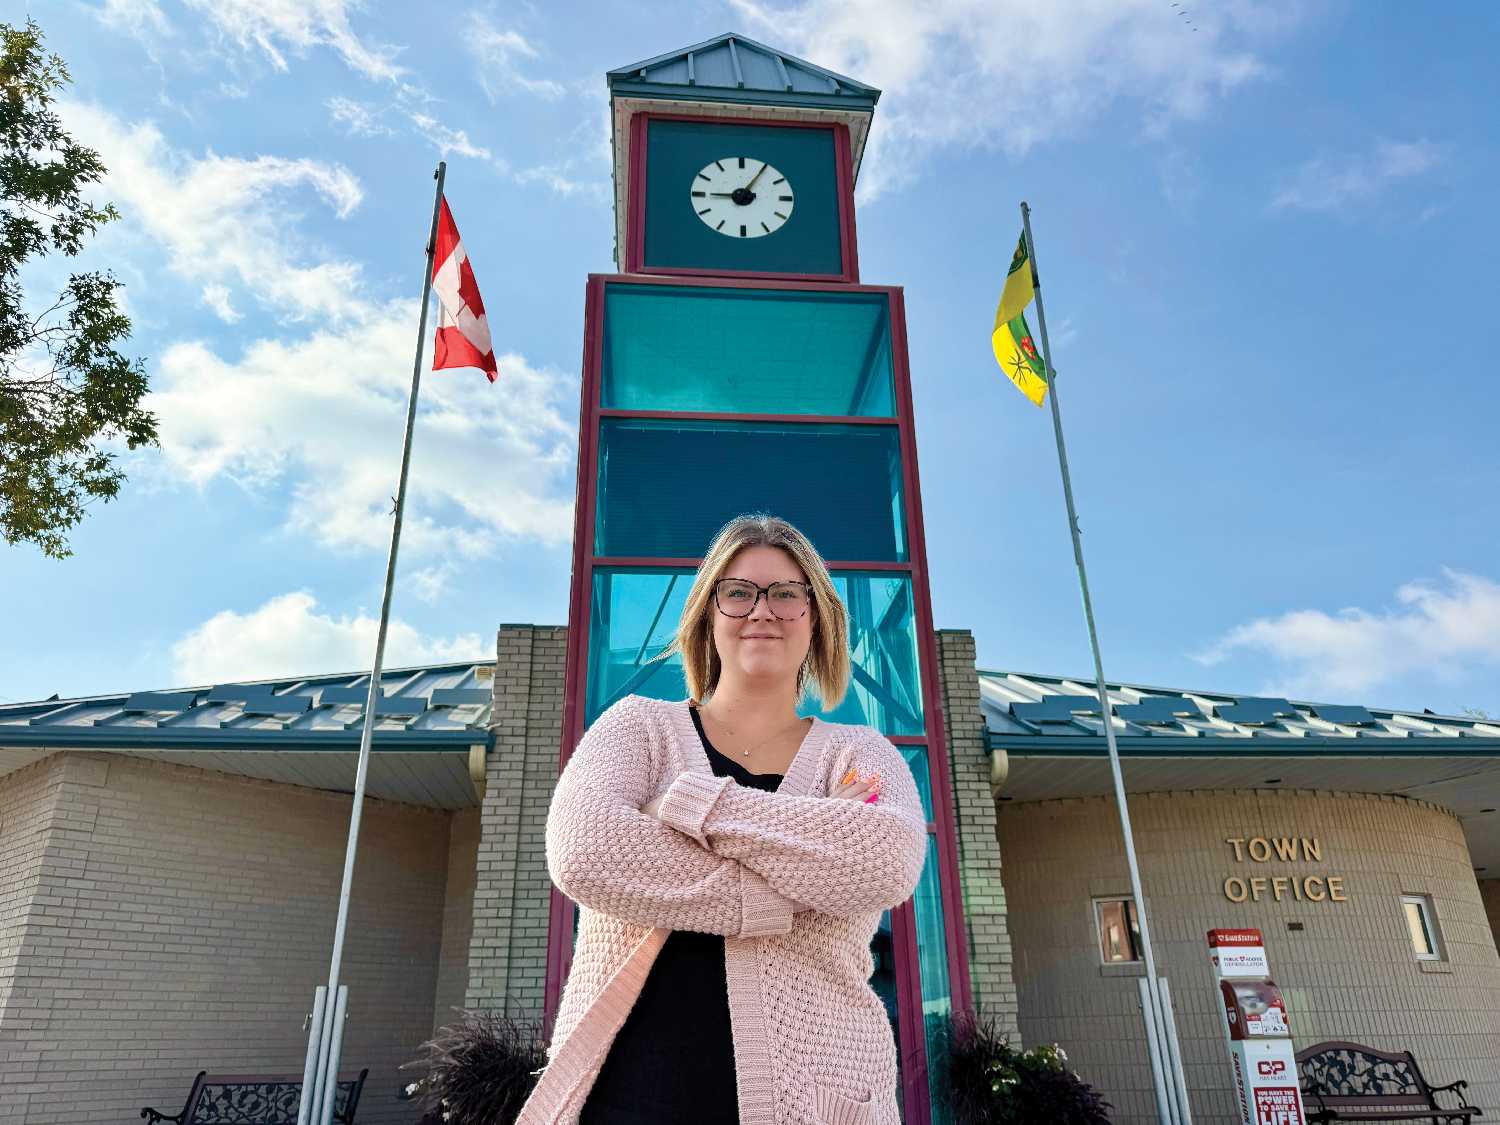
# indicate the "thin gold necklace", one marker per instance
pixel 758 745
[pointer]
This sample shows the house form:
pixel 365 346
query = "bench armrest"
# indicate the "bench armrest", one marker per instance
pixel 154 1116
pixel 1457 1087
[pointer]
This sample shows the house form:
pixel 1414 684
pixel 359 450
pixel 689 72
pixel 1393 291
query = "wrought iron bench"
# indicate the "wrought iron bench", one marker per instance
pixel 255 1099
pixel 1350 1082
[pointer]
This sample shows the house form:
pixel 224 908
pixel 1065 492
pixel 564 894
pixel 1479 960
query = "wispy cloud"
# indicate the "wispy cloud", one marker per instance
pixel 430 583
pixel 499 53
pixel 1329 183
pixel 240 214
pixel 287 635
pixel 1014 73
pixel 275 27
pixel 216 297
pixel 142 19
pixel 359 119
pixel 1444 628
pixel 448 141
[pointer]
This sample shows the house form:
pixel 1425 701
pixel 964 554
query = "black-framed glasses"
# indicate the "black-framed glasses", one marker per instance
pixel 736 597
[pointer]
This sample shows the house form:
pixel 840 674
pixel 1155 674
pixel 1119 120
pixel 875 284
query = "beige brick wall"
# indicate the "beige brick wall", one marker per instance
pixel 26 800
pixel 512 890
pixel 1349 974
pixel 458 917
pixel 987 932
pixel 183 918
pixel 1489 891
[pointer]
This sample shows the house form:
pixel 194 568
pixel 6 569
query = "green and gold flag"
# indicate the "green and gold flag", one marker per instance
pixel 1011 339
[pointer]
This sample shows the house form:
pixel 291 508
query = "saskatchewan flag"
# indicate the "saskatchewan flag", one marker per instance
pixel 1011 339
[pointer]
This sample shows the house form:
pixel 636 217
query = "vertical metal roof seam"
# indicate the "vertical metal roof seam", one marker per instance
pixel 734 59
pixel 786 82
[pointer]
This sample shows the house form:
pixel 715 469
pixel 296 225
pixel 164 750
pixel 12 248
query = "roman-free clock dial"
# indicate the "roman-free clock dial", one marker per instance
pixel 742 197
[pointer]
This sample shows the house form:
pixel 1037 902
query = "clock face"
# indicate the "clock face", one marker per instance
pixel 741 197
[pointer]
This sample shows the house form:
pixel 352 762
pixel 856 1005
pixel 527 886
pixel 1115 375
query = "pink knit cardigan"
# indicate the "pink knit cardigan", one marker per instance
pixel 795 881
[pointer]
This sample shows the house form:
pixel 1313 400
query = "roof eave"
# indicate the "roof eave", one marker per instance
pixel 274 741
pixel 849 102
pixel 1169 746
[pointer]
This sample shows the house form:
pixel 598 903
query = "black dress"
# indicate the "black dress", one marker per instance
pixel 672 1062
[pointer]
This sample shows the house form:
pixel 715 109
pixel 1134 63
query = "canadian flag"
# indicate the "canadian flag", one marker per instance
pixel 463 335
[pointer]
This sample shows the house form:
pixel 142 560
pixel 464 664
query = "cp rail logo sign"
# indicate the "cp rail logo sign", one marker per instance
pixel 1271 1068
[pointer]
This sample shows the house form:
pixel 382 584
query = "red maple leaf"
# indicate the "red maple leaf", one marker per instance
pixel 468 289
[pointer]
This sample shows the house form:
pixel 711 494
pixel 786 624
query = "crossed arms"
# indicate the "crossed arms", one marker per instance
pixel 719 857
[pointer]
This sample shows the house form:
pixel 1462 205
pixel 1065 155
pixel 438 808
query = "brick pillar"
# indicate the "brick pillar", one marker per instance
pixel 508 949
pixel 978 846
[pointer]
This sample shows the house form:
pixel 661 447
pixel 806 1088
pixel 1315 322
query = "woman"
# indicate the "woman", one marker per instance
pixel 731 862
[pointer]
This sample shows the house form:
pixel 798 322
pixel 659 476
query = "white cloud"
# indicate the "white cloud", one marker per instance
pixel 1443 629
pixel 360 119
pixel 142 19
pixel 558 177
pixel 287 635
pixel 431 582
pixel 448 141
pixel 225 219
pixel 499 54
pixel 1014 73
pixel 1331 183
pixel 323 418
pixel 216 297
pixel 276 26
pixel 320 418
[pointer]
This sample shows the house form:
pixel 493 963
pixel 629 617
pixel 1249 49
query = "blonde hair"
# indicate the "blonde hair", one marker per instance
pixel 827 662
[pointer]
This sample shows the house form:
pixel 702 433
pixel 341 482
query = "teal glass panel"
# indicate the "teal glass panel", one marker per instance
pixel 635 612
pixel 633 616
pixel 932 946
pixel 885 683
pixel 675 237
pixel 916 759
pixel 666 487
pixel 747 351
pixel 937 994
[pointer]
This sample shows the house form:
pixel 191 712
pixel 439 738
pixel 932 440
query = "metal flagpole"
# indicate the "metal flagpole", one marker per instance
pixel 325 1040
pixel 1167 1104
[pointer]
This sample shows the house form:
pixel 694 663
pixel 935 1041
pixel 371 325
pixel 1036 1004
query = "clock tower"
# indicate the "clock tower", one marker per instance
pixel 736 364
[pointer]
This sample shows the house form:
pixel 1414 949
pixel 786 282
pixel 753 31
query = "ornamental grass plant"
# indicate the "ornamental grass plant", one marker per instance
pixel 991 1083
pixel 477 1071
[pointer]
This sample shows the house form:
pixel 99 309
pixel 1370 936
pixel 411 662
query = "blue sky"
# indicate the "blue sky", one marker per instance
pixel 1267 250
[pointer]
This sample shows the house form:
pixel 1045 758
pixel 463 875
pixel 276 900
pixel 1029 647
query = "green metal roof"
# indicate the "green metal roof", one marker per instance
pixel 732 68
pixel 1026 713
pixel 436 707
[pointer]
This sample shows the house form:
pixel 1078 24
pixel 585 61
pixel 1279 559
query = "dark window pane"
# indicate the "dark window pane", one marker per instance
pixel 666 487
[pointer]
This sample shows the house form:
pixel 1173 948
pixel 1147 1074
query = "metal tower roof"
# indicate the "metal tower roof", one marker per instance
pixel 733 68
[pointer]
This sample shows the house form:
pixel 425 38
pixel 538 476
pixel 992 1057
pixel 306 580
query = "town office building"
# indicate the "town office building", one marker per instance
pixel 170 861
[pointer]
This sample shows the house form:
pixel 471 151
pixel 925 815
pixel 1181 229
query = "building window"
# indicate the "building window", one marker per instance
pixel 1119 931
pixel 1421 924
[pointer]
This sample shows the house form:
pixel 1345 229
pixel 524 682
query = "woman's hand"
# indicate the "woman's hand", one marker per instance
pixel 855 788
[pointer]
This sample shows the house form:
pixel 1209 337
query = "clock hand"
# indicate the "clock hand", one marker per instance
pixel 763 166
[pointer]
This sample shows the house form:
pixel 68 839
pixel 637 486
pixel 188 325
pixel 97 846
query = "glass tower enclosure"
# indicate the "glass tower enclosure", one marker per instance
pixel 705 399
